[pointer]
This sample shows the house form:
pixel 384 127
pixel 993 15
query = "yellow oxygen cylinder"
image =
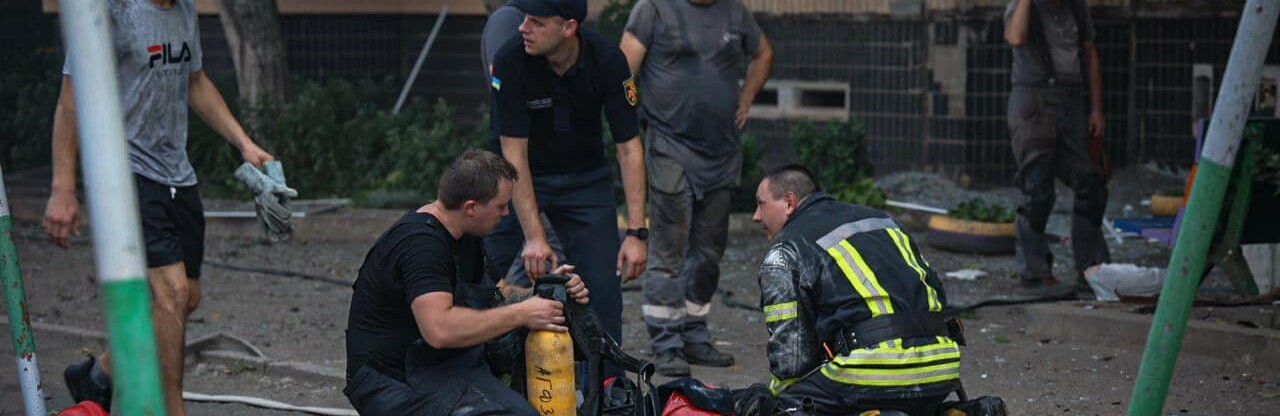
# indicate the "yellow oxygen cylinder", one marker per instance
pixel 549 372
pixel 549 368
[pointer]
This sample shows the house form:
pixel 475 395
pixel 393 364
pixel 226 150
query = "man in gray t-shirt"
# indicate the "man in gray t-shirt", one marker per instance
pixel 158 63
pixel 688 56
pixel 1053 58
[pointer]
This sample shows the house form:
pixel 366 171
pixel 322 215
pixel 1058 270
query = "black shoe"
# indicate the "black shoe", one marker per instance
pixel 982 406
pixel 83 387
pixel 1082 285
pixel 669 363
pixel 1043 287
pixel 702 353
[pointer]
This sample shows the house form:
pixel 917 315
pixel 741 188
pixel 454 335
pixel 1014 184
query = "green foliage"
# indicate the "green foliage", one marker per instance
pixel 29 86
pixel 613 18
pixel 862 192
pixel 981 211
pixel 744 200
pixel 340 138
pixel 1266 157
pixel 836 152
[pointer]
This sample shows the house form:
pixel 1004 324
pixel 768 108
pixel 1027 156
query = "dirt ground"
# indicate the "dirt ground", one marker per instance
pixel 299 320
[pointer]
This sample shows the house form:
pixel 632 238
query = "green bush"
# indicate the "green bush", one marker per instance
pixel 862 192
pixel 744 199
pixel 982 211
pixel 836 152
pixel 29 86
pixel 613 18
pixel 339 138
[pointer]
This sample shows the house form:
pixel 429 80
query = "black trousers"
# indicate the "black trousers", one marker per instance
pixel 817 395
pixel 461 386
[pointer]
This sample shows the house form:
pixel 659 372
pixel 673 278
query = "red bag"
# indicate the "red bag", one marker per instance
pixel 85 408
pixel 678 405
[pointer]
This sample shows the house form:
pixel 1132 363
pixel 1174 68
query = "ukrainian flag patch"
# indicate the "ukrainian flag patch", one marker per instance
pixel 495 83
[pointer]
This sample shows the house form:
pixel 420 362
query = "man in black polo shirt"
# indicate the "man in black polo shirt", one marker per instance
pixel 549 87
pixel 418 320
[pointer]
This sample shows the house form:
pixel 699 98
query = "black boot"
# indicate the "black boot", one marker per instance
pixel 982 406
pixel 84 386
pixel 669 363
pixel 702 353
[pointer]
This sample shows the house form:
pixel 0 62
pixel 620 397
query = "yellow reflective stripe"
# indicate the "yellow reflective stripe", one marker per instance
pixel 857 272
pixel 780 312
pixel 878 377
pixel 900 356
pixel 903 242
pixel 776 386
pixel 935 305
pixel 882 296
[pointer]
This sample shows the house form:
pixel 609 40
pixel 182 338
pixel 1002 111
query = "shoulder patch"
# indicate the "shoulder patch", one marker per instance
pixel 495 83
pixel 629 88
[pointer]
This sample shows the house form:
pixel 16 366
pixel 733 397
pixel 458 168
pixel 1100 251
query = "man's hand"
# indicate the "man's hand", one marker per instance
pixel 537 255
pixel 575 287
pixel 543 314
pixel 255 155
pixel 1097 125
pixel 744 111
pixel 62 217
pixel 632 258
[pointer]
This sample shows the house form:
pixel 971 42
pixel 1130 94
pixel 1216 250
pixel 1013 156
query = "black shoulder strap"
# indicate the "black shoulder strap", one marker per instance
pixel 594 344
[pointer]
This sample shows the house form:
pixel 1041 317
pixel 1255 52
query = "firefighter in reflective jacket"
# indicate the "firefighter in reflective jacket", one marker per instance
pixel 853 309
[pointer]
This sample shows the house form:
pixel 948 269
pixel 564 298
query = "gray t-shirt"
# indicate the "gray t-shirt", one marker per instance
pixel 503 24
pixel 695 56
pixel 157 50
pixel 1054 31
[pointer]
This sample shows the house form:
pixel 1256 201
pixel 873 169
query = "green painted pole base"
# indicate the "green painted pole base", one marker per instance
pixel 133 348
pixel 1180 283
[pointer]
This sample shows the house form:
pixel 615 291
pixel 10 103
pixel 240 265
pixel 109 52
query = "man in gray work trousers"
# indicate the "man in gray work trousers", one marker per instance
pixel 687 56
pixel 1053 59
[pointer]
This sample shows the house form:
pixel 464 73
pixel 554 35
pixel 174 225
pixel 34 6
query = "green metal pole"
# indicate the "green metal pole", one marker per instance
pixel 15 296
pixel 1230 114
pixel 113 208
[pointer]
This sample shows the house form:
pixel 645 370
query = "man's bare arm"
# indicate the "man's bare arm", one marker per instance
pixel 537 252
pixel 1097 122
pixel 204 98
pixel 445 325
pixel 62 212
pixel 633 50
pixel 1018 24
pixel 757 74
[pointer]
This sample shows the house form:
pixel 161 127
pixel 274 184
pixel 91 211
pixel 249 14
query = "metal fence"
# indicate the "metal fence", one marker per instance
pixel 931 89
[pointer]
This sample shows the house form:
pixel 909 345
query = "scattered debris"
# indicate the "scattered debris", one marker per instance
pixel 966 274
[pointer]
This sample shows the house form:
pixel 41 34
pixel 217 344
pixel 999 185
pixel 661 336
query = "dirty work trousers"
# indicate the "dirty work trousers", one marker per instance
pixel 687 237
pixel 818 395
pixel 1049 129
pixel 461 386
pixel 580 207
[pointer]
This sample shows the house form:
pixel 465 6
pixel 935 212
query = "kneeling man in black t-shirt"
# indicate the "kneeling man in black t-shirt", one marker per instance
pixel 419 316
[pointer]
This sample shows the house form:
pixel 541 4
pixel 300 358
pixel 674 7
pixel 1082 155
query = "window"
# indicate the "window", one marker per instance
pixel 792 99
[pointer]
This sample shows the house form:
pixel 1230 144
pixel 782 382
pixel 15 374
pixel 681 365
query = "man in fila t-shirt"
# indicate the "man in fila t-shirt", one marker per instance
pixel 158 62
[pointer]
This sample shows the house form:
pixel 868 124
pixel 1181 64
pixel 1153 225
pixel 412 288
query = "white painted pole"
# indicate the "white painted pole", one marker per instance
pixel 113 208
pixel 24 342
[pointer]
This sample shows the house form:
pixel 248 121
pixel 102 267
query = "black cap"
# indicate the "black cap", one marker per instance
pixel 567 9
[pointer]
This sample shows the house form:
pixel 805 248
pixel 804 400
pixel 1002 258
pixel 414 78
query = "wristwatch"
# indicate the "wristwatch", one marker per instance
pixel 641 233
